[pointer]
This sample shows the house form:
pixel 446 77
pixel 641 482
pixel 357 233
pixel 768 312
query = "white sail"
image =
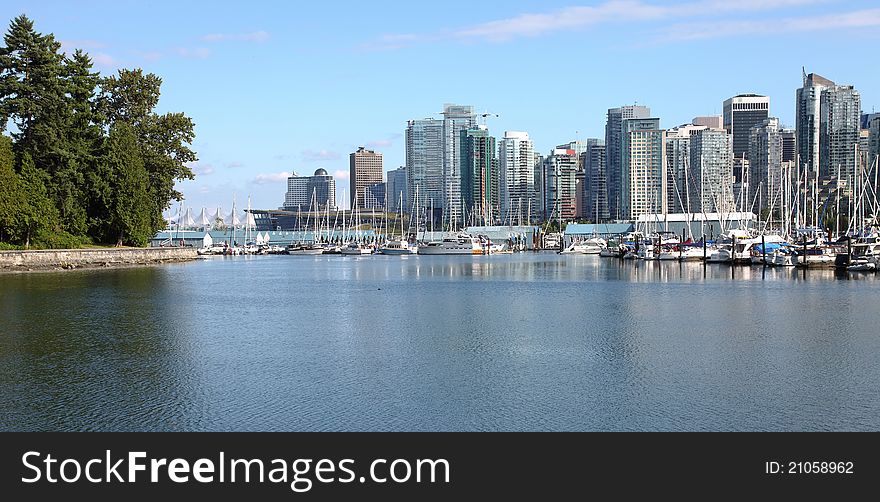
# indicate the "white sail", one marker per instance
pixel 249 220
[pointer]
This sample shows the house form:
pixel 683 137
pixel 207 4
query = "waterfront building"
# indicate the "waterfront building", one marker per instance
pixel 808 119
pixel 516 157
pixel 396 187
pixel 302 189
pixel 711 121
pixel 560 185
pixel 456 118
pixel 840 109
pixel 595 181
pixel 424 165
pixel 365 169
pixel 789 145
pixel 479 176
pixel 614 152
pixel 678 172
pixel 711 164
pixel 741 113
pixel 874 140
pixel 766 165
pixel 643 173
pixel 537 211
pixel 374 196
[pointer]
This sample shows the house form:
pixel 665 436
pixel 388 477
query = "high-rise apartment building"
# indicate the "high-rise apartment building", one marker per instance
pixel 678 171
pixel 479 177
pixel 424 165
pixel 595 182
pixel 614 153
pixel 874 141
pixel 397 193
pixel 808 119
pixel 643 173
pixel 306 192
pixel 711 183
pixel 766 148
pixel 741 113
pixel 841 108
pixel 365 169
pixel 560 185
pixel 456 118
pixel 516 157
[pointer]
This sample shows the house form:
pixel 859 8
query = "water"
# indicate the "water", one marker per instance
pixel 512 342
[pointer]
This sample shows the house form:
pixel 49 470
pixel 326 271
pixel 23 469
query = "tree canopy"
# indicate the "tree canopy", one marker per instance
pixel 84 157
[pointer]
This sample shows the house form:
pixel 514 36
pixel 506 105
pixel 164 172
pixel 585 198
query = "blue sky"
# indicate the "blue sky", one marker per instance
pixel 277 87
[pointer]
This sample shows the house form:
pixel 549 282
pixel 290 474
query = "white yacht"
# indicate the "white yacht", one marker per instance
pixel 460 244
pixel 589 246
pixel 398 247
pixel 353 248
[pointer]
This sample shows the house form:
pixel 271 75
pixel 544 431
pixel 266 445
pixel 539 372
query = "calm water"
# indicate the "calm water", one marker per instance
pixel 515 342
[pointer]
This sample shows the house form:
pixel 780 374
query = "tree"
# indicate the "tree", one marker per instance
pixel 130 206
pixel 164 140
pixel 10 197
pixel 36 212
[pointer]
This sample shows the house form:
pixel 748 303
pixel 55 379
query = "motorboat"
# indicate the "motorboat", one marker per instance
pixel 461 243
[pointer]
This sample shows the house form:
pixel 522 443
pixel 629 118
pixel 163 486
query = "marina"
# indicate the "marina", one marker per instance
pixel 522 341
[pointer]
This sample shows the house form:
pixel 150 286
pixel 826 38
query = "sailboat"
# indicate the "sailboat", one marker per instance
pixel 400 246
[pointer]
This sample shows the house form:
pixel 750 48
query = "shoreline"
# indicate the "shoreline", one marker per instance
pixel 59 260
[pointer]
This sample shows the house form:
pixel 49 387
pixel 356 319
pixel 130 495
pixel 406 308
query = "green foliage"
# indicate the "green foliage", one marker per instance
pixel 36 213
pixel 130 209
pixel 10 195
pixel 97 163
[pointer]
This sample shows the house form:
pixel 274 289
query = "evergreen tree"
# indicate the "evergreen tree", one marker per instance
pixel 130 208
pixel 164 140
pixel 10 197
pixel 36 212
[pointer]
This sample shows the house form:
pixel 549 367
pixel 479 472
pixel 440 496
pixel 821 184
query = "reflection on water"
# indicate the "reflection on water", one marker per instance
pixel 509 342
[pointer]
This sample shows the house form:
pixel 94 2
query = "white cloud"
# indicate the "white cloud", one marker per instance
pixel 700 31
pixel 197 53
pixel 104 60
pixel 319 155
pixel 340 174
pixel 264 179
pixel 583 17
pixel 201 169
pixel 256 36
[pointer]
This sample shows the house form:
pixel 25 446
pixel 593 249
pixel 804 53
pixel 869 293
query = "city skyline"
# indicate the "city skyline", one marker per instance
pixel 298 103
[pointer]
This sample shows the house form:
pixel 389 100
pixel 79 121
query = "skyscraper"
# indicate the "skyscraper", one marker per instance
pixel 396 186
pixel 596 182
pixel 614 154
pixel 516 156
pixel 766 148
pixel 711 185
pixel 808 119
pixel 874 141
pixel 456 118
pixel 678 167
pixel 839 132
pixel 479 176
pixel 741 113
pixel 424 164
pixel 365 169
pixel 643 173
pixel 302 190
pixel 560 186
